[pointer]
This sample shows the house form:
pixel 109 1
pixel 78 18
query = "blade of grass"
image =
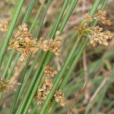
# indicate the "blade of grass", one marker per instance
pixel 24 21
pixel 73 65
pixel 108 107
pixel 96 100
pixel 37 15
pixel 13 67
pixel 36 86
pixel 104 91
pixel 46 61
pixel 42 20
pixel 61 73
pixel 67 76
pixel 32 3
pixel 9 74
pixel 20 108
pixel 29 73
pixel 10 30
pixel 12 53
pixel 20 89
pixel 41 25
pixel 8 65
pixel 67 16
pixel 69 71
pixel 60 17
pixel 34 110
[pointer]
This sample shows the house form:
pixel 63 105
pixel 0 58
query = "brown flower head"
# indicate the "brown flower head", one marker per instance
pixel 4 27
pixel 59 97
pixel 46 84
pixel 52 44
pixel 24 42
pixel 49 71
pixel 99 37
pixel 96 34
pixel 46 87
pixel 6 86
pixel 100 15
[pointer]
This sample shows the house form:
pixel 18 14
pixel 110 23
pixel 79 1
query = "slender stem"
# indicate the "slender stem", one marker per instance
pixel 10 31
pixel 42 20
pixel 37 15
pixel 18 91
pixel 29 11
pixel 48 58
pixel 67 76
pixel 76 98
pixel 60 17
pixel 8 64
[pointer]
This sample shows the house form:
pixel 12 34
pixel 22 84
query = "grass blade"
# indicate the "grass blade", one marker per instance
pixel 10 30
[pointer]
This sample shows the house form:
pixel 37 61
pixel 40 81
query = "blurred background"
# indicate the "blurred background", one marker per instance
pixel 95 65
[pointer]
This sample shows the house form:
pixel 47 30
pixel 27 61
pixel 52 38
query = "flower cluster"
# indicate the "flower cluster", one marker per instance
pixel 52 44
pixel 26 44
pixel 100 37
pixel 4 27
pixel 96 34
pixel 46 86
pixel 23 42
pixel 59 97
pixel 49 72
pixel 6 86
pixel 100 15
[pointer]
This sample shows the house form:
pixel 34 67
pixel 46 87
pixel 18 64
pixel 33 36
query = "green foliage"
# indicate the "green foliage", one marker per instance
pixel 24 97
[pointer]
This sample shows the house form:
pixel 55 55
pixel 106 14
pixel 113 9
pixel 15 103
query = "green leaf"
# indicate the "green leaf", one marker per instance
pixel 10 30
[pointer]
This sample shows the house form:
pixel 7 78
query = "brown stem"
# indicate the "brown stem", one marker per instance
pixel 76 98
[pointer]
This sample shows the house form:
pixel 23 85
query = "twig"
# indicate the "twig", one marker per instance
pixel 86 77
pixel 76 98
pixel 96 93
pixel 98 89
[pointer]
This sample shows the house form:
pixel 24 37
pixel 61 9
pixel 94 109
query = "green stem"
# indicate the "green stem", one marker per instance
pixel 42 20
pixel 60 17
pixel 66 18
pixel 10 31
pixel 29 11
pixel 8 64
pixel 18 91
pixel 68 74
pixel 37 15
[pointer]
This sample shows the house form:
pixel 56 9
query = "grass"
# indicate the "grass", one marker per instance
pixel 68 79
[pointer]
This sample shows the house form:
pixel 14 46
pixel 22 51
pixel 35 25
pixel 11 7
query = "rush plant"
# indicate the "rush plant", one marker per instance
pixel 42 89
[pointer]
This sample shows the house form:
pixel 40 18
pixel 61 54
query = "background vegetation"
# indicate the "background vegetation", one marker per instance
pixel 78 62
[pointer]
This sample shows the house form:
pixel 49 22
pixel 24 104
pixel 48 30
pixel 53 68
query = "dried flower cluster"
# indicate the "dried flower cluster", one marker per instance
pixel 49 72
pixel 100 37
pixel 59 97
pixel 24 43
pixel 46 87
pixel 52 45
pixel 100 15
pixel 96 34
pixel 4 27
pixel 6 86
